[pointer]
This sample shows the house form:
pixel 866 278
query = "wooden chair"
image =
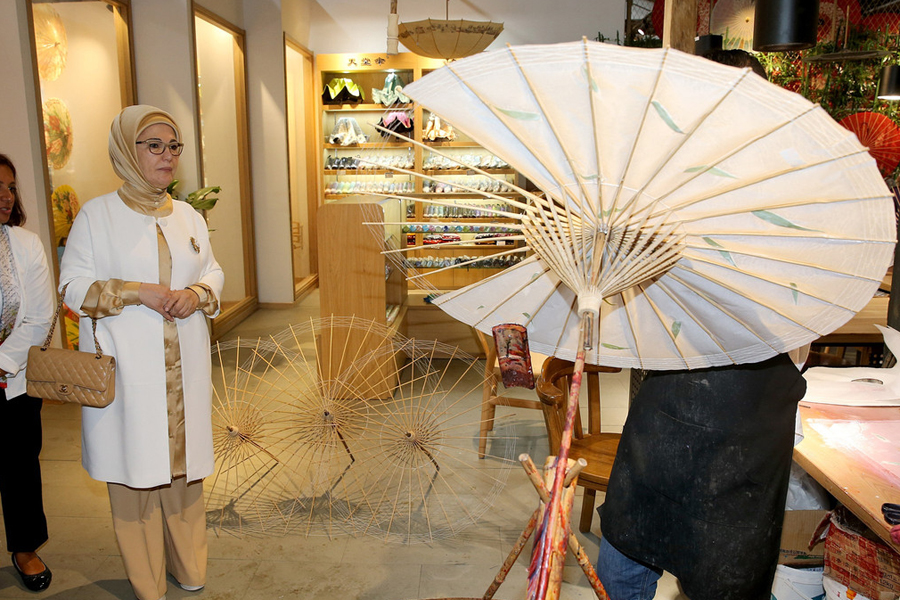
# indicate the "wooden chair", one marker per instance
pixel 598 449
pixel 490 398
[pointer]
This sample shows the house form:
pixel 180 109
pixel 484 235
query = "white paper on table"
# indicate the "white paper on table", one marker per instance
pixel 871 443
pixel 857 386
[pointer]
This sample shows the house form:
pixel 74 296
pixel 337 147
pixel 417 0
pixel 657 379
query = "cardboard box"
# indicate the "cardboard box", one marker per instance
pixel 798 531
pixel 857 559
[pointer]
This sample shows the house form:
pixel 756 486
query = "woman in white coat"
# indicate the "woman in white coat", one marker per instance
pixel 26 295
pixel 142 265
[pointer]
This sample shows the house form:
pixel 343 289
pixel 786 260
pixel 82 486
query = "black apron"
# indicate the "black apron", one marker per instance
pixel 701 476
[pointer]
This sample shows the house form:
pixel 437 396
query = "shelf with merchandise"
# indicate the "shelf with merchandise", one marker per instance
pixel 446 166
pixel 362 130
pixel 379 108
pixel 367 145
pixel 461 240
pixel 354 160
pixel 348 171
pixel 423 263
pixel 458 184
pixel 364 80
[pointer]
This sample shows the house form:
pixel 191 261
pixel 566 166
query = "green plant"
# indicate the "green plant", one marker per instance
pixel 839 83
pixel 202 199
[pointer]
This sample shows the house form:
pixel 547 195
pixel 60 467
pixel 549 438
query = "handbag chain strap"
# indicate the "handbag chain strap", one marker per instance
pixel 59 304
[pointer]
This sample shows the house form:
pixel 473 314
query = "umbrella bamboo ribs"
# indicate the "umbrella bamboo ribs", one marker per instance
pixel 632 253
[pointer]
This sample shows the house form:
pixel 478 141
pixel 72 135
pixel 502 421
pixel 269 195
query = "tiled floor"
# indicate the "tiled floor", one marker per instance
pixel 86 565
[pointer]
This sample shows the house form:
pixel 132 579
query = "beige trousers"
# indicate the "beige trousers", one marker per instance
pixel 160 529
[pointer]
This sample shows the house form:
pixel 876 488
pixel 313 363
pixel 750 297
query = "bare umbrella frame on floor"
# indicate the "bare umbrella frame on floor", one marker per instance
pixel 307 441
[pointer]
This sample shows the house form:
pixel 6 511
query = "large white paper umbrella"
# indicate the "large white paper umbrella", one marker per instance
pixel 703 215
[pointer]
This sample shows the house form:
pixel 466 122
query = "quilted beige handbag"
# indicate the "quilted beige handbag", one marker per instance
pixel 84 378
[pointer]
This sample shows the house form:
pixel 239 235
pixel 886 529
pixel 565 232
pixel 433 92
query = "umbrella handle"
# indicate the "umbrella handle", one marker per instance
pixel 544 545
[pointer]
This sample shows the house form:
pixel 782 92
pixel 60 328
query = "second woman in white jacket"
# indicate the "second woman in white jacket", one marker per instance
pixel 26 310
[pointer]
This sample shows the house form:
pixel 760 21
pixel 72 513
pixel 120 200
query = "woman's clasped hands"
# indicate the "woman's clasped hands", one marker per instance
pixel 171 304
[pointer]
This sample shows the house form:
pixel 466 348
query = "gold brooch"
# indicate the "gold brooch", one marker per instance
pixel 195 245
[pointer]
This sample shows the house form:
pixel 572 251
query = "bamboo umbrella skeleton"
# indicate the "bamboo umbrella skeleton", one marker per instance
pixel 307 442
pixel 690 214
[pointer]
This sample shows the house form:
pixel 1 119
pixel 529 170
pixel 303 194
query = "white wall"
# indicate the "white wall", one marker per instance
pixel 361 25
pixel 221 151
pixel 295 18
pixel 268 149
pixel 230 10
pixel 164 69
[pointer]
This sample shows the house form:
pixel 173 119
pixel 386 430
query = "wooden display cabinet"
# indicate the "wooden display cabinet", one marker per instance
pixel 356 279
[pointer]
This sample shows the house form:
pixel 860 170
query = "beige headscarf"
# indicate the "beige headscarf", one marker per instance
pixel 137 193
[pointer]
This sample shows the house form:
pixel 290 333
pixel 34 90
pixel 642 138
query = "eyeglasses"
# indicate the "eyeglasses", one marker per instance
pixel 158 146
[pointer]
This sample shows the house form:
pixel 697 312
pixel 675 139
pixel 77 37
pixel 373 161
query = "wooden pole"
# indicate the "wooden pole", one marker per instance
pixel 680 25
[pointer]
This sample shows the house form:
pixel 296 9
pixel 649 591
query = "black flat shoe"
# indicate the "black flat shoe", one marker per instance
pixel 35 583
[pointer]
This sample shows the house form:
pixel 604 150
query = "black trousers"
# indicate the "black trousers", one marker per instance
pixel 20 473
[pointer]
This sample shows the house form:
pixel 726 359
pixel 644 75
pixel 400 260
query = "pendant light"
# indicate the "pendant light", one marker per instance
pixel 783 25
pixel 889 86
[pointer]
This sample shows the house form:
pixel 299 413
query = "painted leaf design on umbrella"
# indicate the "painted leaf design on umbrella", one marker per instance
pixel 666 117
pixel 795 293
pixel 720 247
pixel 676 328
pixel 711 171
pixel 613 346
pixel 520 114
pixel 686 234
pixel 774 219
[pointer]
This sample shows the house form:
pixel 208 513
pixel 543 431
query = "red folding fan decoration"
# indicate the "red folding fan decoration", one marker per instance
pixel 880 135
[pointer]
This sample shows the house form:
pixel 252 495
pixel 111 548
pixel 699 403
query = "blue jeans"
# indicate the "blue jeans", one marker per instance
pixel 624 578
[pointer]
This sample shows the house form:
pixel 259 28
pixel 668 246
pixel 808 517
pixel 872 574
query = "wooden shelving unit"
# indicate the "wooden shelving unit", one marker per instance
pixel 337 185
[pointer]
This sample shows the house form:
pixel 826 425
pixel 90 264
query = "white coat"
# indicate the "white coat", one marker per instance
pixel 127 442
pixel 37 304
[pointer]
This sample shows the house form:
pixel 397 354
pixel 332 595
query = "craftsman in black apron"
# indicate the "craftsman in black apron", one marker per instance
pixel 701 476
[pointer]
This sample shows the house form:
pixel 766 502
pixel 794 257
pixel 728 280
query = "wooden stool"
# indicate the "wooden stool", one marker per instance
pixel 588 440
